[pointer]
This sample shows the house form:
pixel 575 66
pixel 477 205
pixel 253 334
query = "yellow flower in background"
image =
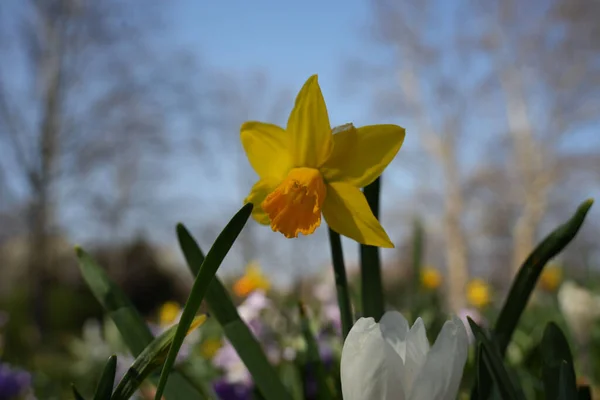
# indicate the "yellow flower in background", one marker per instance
pixel 209 347
pixel 551 278
pixel 168 313
pixel 431 278
pixel 306 170
pixel 252 280
pixel 478 293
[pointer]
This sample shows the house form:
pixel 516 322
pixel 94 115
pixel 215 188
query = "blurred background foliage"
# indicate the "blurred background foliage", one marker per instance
pixel 118 119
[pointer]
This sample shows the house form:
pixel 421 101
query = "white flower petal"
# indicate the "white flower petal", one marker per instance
pixel 370 369
pixel 417 347
pixel 394 328
pixel 441 374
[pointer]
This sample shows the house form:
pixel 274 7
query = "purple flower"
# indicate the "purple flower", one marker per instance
pixel 232 391
pixel 232 365
pixel 13 382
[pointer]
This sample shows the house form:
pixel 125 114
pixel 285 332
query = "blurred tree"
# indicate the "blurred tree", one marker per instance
pixel 83 104
pixel 503 110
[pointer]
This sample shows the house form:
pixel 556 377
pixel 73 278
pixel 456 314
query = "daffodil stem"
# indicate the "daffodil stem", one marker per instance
pixel 370 265
pixel 341 282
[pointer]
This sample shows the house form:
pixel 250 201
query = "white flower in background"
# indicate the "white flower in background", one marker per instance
pixel 254 304
pixel 581 308
pixel 389 361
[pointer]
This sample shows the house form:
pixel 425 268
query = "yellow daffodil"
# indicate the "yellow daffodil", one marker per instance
pixel 252 280
pixel 478 293
pixel 209 347
pixel 431 278
pixel 551 278
pixel 169 312
pixel 306 170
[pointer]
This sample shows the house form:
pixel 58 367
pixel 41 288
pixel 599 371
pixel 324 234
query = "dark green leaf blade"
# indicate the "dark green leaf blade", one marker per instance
pixel 530 271
pixel 107 380
pixel 555 352
pixel 221 308
pixel 207 272
pixel 584 393
pixel 495 366
pixel 132 327
pixel 526 280
pixel 149 360
pixel 341 282
pixel 370 264
pixel 567 387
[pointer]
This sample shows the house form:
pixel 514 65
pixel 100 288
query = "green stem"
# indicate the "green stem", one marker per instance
pixel 370 264
pixel 341 282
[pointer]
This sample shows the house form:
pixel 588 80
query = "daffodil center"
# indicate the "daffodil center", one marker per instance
pixel 295 205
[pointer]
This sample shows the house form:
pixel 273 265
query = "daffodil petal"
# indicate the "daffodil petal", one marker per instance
pixel 347 212
pixel 258 193
pixel 361 154
pixel 267 148
pixel 308 127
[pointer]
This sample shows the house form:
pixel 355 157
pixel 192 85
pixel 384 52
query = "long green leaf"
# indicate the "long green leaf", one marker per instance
pixel 314 357
pixel 237 332
pixel 556 356
pixel 107 380
pixel 567 386
pixel 370 264
pixel 209 268
pixel 148 361
pixel 530 271
pixel 584 393
pixel 495 366
pixel 341 282
pixel 133 329
pixel 526 280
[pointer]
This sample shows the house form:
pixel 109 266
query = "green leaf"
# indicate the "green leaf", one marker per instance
pixel 556 360
pixel 370 264
pixel 314 357
pixel 107 380
pixel 493 360
pixel 149 360
pixel 526 280
pixel 567 386
pixel 76 394
pixel 584 393
pixel 237 332
pixel 530 271
pixel 341 282
pixel 132 327
pixel 207 272
pixel 292 379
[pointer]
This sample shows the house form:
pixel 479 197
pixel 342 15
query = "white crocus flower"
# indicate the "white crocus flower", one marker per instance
pixel 389 361
pixel 581 308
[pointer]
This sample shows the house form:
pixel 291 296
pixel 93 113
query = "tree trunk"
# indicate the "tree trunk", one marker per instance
pixel 456 251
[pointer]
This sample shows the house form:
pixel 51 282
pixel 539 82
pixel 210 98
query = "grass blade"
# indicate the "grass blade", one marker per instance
pixel 314 358
pixel 221 308
pixel 209 268
pixel 341 282
pixel 493 360
pixel 133 329
pixel 148 361
pixel 107 380
pixel 556 362
pixel 370 264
